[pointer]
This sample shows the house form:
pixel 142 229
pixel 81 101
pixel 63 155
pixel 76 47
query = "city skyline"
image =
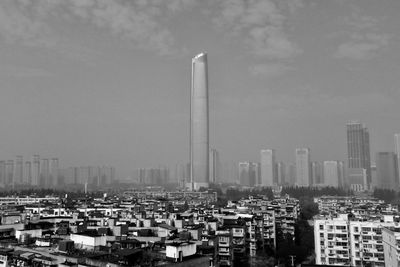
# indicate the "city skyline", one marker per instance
pixel 92 83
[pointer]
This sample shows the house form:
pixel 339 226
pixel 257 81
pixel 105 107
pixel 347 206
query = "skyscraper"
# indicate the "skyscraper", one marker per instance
pixel 214 165
pixel 397 151
pixel 53 172
pixel 35 170
pixel 268 170
pixel 199 133
pixel 18 170
pixel 303 174
pixel 386 170
pixel 28 173
pixel 44 173
pixel 331 173
pixel 316 173
pixel 358 148
pixel 281 173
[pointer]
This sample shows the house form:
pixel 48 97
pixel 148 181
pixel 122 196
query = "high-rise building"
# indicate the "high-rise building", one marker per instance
pixel 386 170
pixel 9 172
pixel 268 169
pixel 291 174
pixel 281 173
pixel 44 173
pixel 244 173
pixel 28 173
pixel 358 148
pixel 2 173
pixel 397 151
pixel 53 172
pixel 18 170
pixel 316 173
pixel 214 166
pixel 331 173
pixel 199 133
pixel 35 170
pixel 303 162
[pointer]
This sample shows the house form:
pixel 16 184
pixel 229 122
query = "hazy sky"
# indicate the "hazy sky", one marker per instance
pixel 108 82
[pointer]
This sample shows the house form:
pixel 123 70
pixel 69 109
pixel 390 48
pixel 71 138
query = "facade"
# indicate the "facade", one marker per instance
pixel 268 170
pixel 386 170
pixel 18 170
pixel 358 148
pixel 397 151
pixel 333 173
pixel 214 166
pixel 244 174
pixel 316 173
pixel 35 170
pixel 281 173
pixel 340 241
pixel 303 174
pixel 391 246
pixel 199 133
pixel 53 172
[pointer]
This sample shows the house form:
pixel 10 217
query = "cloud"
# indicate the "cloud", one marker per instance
pixel 362 47
pixel 141 22
pixel 364 40
pixel 23 72
pixel 262 25
pixel 273 69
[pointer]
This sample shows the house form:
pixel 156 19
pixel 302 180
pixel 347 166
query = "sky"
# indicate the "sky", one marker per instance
pixel 100 82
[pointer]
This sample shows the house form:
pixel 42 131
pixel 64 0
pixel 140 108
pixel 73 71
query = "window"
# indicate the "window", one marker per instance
pixel 321 227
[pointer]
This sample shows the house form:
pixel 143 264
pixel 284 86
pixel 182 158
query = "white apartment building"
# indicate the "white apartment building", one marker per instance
pixel 340 241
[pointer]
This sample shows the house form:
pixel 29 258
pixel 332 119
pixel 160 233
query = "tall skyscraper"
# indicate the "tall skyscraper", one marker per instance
pixel 358 148
pixel 2 173
pixel 386 170
pixel 303 162
pixel 53 172
pixel 199 133
pixel 28 173
pixel 316 173
pixel 35 170
pixel 397 151
pixel 268 169
pixel 331 173
pixel 18 170
pixel 215 166
pixel 9 172
pixel 281 173
pixel 244 173
pixel 44 173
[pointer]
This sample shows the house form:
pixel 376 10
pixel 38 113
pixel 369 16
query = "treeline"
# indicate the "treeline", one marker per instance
pixel 298 192
pixel 42 192
pixel 388 195
pixel 236 194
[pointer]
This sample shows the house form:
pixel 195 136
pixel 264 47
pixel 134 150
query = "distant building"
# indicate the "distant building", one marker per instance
pixel 9 172
pixel 44 173
pixel 386 170
pixel 358 148
pixel 199 132
pixel 27 173
pixel 397 151
pixel 357 179
pixel 303 174
pixel 268 170
pixel 214 166
pixel 281 173
pixel 18 170
pixel 244 173
pixel 331 173
pixel 35 170
pixel 53 172
pixel 316 173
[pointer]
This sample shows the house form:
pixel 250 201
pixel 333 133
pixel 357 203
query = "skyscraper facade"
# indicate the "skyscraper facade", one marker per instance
pixel 303 174
pixel 268 169
pixel 35 170
pixel 214 166
pixel 397 151
pixel 386 170
pixel 331 173
pixel 199 133
pixel 281 173
pixel 18 170
pixel 358 149
pixel 316 173
pixel 53 172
